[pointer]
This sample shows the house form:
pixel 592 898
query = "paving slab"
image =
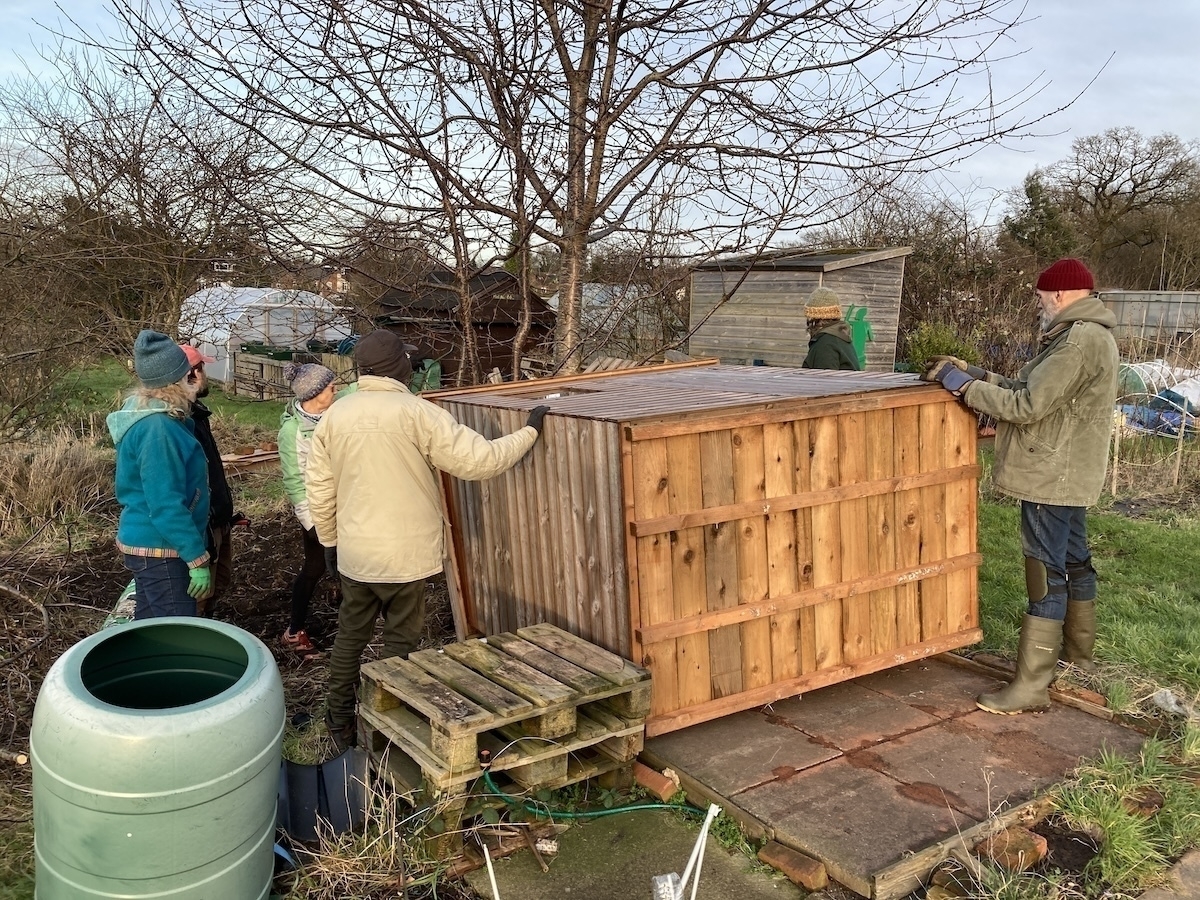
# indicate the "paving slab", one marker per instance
pixel 908 761
pixel 854 819
pixel 1182 884
pixel 971 765
pixel 849 716
pixel 740 751
pixel 938 688
pixel 616 858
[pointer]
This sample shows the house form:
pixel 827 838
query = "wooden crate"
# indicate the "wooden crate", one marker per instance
pixel 746 533
pixel 537 702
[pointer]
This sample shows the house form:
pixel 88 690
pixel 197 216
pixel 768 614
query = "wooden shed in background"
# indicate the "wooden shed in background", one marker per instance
pixel 748 309
pixel 747 533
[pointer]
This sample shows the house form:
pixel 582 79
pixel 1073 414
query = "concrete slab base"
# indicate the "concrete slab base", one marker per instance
pixel 871 776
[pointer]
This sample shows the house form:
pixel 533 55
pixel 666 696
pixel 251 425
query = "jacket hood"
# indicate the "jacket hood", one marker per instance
pixel 839 329
pixel 130 414
pixel 304 421
pixel 1089 309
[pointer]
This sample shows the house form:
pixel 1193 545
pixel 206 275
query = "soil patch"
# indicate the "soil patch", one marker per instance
pixel 1067 850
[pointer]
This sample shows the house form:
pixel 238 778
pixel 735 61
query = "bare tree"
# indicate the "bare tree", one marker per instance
pixel 135 194
pixel 566 122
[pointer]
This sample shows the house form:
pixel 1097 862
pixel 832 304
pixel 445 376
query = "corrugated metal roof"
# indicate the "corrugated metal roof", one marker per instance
pixel 629 395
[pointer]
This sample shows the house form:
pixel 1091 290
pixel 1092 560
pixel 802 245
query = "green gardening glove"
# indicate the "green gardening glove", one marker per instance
pixel 200 582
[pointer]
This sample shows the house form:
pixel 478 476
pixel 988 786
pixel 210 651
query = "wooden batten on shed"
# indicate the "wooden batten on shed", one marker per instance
pixel 746 533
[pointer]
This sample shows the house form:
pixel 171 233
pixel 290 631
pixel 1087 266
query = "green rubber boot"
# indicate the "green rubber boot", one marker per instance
pixel 1037 659
pixel 1079 634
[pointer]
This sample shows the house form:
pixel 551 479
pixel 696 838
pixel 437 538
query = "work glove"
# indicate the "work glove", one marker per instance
pixel 536 416
pixel 960 364
pixel 331 561
pixel 949 376
pixel 200 583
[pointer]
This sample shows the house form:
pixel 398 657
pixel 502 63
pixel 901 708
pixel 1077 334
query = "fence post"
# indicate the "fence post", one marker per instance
pixel 1179 442
pixel 1116 462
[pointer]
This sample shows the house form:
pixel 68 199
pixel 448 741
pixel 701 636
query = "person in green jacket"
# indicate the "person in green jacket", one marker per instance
pixel 829 338
pixel 1055 422
pixel 313 387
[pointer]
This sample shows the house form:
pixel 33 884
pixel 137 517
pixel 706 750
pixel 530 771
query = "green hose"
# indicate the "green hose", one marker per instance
pixel 536 810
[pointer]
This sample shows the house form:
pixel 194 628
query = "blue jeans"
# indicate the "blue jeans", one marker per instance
pixel 1056 537
pixel 161 585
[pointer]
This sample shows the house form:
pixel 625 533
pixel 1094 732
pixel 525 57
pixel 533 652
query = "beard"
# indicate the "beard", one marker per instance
pixel 202 391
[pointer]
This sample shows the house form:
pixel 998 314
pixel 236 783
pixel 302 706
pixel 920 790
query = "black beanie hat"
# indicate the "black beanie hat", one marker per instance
pixel 383 353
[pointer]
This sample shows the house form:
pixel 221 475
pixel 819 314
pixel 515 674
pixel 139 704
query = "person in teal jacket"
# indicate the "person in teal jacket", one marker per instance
pixel 313 387
pixel 162 483
pixel 830 344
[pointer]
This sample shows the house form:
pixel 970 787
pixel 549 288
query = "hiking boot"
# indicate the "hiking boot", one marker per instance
pixel 344 736
pixel 1037 660
pixel 299 644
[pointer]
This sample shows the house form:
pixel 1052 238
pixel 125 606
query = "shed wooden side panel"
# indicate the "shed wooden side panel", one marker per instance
pixel 544 542
pixel 818 591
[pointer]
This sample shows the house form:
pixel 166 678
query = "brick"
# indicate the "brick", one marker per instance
pixel 801 868
pixel 655 782
pixel 1015 849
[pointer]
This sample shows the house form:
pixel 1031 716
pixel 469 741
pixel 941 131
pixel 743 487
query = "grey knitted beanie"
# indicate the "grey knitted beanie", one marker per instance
pixel 307 380
pixel 158 360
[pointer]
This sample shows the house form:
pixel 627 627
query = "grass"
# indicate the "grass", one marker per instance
pixel 1148 609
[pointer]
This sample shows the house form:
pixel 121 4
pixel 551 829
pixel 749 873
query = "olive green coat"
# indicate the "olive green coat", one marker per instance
pixel 1055 419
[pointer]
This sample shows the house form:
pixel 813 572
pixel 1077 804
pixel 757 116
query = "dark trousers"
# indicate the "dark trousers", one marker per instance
pixel 403 609
pixel 306 582
pixel 160 584
pixel 1056 538
pixel 220 549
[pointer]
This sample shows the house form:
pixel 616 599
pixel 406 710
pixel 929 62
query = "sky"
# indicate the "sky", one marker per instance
pixel 1141 56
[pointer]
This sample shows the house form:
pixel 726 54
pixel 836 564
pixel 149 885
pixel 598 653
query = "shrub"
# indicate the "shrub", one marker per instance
pixel 935 339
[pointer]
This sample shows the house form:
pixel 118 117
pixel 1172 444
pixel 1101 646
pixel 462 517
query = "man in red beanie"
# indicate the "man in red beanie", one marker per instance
pixel 1055 422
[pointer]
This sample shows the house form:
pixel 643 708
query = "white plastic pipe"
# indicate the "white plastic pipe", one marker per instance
pixel 697 852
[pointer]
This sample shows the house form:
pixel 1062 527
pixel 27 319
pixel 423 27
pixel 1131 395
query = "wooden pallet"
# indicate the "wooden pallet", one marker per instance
pixel 533 702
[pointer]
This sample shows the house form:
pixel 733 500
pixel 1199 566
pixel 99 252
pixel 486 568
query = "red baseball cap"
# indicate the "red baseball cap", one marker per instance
pixel 194 356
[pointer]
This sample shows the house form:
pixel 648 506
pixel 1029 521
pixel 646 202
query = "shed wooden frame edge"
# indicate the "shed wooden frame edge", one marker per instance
pixel 714 709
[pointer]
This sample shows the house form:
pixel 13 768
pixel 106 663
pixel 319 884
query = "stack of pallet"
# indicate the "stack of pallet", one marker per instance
pixel 541 707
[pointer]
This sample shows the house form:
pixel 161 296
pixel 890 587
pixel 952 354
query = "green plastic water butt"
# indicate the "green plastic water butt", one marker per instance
pixel 156 754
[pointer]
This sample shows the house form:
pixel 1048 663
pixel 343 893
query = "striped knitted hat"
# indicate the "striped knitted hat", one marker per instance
pixel 823 303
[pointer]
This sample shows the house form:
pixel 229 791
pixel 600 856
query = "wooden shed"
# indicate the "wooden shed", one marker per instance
pixel 427 315
pixel 747 533
pixel 751 309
